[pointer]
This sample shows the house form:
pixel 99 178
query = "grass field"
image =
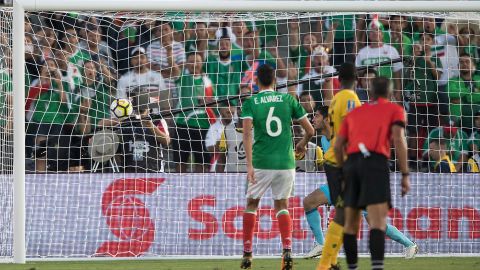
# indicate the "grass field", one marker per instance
pixel 263 264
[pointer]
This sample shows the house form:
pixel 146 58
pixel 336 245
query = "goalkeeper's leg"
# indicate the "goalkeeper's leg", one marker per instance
pixel 315 199
pixel 411 248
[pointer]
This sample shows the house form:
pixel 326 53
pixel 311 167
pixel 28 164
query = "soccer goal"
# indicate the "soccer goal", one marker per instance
pixel 79 180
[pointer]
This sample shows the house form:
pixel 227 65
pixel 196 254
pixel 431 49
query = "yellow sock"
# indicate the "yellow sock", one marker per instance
pixel 333 242
pixel 334 259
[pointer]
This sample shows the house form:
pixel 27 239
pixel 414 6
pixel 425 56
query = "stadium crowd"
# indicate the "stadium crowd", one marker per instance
pixel 76 64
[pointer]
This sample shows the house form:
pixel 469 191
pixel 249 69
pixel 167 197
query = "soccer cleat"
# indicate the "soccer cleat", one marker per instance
pixel 315 252
pixel 246 261
pixel 335 267
pixel 410 252
pixel 287 261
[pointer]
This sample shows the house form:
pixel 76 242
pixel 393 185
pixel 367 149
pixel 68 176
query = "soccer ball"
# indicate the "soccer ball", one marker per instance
pixel 121 108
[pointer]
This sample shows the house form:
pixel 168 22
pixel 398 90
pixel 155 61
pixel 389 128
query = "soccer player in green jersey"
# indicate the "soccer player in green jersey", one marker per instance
pixel 270 160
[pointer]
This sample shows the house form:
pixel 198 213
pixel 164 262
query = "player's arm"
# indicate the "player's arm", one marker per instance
pixel 247 143
pixel 301 146
pixel 399 140
pixel 341 143
pixel 338 149
pixel 161 136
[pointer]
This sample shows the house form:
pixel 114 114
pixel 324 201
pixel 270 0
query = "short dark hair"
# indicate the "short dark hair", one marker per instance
pixel 194 53
pixel 380 86
pixel 439 141
pixel 347 73
pixel 323 110
pixel 464 54
pixel 428 34
pixel 265 75
pixel 304 93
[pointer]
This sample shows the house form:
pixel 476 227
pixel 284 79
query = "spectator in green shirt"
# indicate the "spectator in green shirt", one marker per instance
pixel 239 29
pixel 466 44
pixel 464 92
pixel 300 53
pixel 344 41
pixel 427 25
pixel 474 141
pixel 255 56
pixel 198 39
pixel 74 54
pixel 225 70
pixel 95 97
pixel 194 89
pixel 396 36
pixel 47 108
pixel 456 141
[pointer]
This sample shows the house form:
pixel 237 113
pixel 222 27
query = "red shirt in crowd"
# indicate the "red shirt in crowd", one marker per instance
pixel 371 125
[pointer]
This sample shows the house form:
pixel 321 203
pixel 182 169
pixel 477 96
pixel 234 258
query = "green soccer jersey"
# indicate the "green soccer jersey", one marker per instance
pixel 49 109
pixel 456 144
pixel 346 27
pixel 191 93
pixel 301 58
pixel 407 44
pixel 272 115
pixel 426 91
pixel 226 76
pixel 467 93
pixel 75 65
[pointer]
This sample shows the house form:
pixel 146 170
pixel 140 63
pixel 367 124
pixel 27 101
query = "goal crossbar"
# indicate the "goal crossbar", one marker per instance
pixel 252 6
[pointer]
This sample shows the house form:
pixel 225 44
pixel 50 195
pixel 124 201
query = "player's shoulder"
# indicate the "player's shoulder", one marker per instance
pixel 344 96
pixel 394 107
pixel 345 93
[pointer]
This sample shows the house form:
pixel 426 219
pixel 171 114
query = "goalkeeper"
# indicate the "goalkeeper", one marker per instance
pixel 321 196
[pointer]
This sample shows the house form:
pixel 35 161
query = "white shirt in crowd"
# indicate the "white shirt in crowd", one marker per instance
pixel 450 61
pixel 230 141
pixel 369 55
pixel 130 80
pixel 313 73
pixel 157 54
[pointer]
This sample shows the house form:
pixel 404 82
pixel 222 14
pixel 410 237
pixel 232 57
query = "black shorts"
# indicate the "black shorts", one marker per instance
pixel 367 180
pixel 190 140
pixel 334 180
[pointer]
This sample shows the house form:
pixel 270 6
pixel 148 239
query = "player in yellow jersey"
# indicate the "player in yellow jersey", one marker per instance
pixel 342 103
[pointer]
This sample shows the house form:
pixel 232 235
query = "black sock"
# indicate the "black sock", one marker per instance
pixel 350 248
pixel 377 248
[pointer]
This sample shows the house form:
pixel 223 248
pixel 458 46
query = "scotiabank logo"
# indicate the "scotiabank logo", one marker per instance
pixel 127 217
pixel 421 222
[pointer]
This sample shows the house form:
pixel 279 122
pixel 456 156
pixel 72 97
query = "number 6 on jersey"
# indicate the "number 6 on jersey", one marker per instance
pixel 271 118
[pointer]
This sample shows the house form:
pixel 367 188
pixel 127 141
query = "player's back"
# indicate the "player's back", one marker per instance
pixel 342 103
pixel 371 125
pixel 272 115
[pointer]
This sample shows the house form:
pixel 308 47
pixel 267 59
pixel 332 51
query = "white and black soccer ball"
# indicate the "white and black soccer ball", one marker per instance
pixel 121 108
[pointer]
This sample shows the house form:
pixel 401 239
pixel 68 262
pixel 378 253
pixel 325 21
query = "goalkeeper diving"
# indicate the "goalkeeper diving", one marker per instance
pixel 321 196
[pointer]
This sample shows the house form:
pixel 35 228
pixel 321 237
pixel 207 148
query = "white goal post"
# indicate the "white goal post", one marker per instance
pixel 21 6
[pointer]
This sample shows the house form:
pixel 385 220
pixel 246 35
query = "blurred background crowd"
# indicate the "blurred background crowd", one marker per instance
pixel 77 64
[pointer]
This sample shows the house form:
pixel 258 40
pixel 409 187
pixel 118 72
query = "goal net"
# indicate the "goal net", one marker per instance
pixel 168 179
